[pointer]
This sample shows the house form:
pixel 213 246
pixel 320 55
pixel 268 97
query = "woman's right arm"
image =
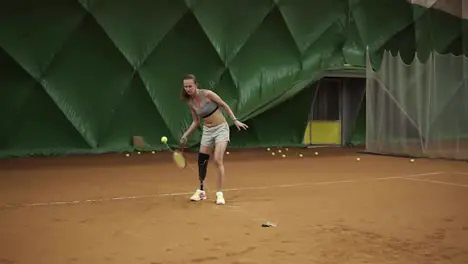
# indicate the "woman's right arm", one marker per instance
pixel 194 125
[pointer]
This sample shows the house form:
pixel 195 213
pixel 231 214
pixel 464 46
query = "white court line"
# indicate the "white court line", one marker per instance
pixel 437 182
pixel 226 190
pixel 460 172
pixel 307 184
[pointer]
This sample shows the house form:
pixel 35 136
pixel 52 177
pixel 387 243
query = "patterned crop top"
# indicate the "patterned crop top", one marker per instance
pixel 207 107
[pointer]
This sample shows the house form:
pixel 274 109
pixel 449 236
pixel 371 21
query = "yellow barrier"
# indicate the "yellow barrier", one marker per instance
pixel 323 133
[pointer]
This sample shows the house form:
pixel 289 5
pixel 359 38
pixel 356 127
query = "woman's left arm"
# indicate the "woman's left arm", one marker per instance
pixel 217 99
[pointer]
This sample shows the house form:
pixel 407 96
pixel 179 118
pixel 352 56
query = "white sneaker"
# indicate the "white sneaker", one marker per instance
pixel 198 195
pixel 220 198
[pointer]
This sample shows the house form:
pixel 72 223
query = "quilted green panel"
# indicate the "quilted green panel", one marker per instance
pixel 86 87
pixel 435 30
pixel 18 87
pixel 229 24
pixel 185 49
pixel 378 21
pixel 135 115
pixel 465 30
pixel 264 73
pixel 33 32
pixel 136 27
pixel 323 15
pixel 84 76
pixel 282 126
pixel 31 121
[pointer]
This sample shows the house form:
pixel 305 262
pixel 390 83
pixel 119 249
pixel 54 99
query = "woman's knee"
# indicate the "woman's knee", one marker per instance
pixel 219 152
pixel 218 160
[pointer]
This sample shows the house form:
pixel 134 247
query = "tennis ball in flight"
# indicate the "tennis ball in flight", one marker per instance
pixel 164 140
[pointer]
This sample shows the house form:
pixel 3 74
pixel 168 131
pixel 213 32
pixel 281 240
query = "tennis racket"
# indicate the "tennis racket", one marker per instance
pixel 179 159
pixel 178 156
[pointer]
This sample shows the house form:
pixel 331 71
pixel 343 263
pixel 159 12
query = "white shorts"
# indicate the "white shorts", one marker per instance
pixel 215 134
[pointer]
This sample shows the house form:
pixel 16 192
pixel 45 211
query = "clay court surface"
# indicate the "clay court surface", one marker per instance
pixel 328 208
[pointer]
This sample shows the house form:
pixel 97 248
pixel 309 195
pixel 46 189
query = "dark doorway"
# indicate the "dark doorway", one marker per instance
pixel 337 114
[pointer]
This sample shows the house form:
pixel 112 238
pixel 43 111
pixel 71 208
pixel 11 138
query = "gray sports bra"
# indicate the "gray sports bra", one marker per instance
pixel 207 107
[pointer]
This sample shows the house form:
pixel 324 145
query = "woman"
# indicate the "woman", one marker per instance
pixel 206 105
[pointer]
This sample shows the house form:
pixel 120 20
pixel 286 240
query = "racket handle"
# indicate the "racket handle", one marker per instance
pixel 182 147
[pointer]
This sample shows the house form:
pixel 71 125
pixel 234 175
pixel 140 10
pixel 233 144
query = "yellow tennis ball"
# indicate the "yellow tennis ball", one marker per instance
pixel 164 140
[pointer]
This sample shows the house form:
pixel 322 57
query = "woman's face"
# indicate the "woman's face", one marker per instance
pixel 190 87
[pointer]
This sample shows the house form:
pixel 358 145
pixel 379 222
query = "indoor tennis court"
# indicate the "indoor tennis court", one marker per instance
pixel 118 209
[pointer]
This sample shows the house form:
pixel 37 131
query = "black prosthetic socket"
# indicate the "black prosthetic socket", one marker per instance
pixel 202 167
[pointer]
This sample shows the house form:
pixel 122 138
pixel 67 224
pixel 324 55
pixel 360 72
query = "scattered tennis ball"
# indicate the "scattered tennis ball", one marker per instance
pixel 279 151
pixel 164 140
pixel 300 155
pixel 227 152
pixel 411 160
pixel 316 153
pixel 273 153
pixel 287 149
pixel 127 155
pixel 139 153
pixel 268 149
pixel 358 159
pixel 284 156
pixel 153 152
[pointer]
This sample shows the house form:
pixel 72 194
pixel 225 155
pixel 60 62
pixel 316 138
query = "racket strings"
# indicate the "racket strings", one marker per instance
pixel 179 159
